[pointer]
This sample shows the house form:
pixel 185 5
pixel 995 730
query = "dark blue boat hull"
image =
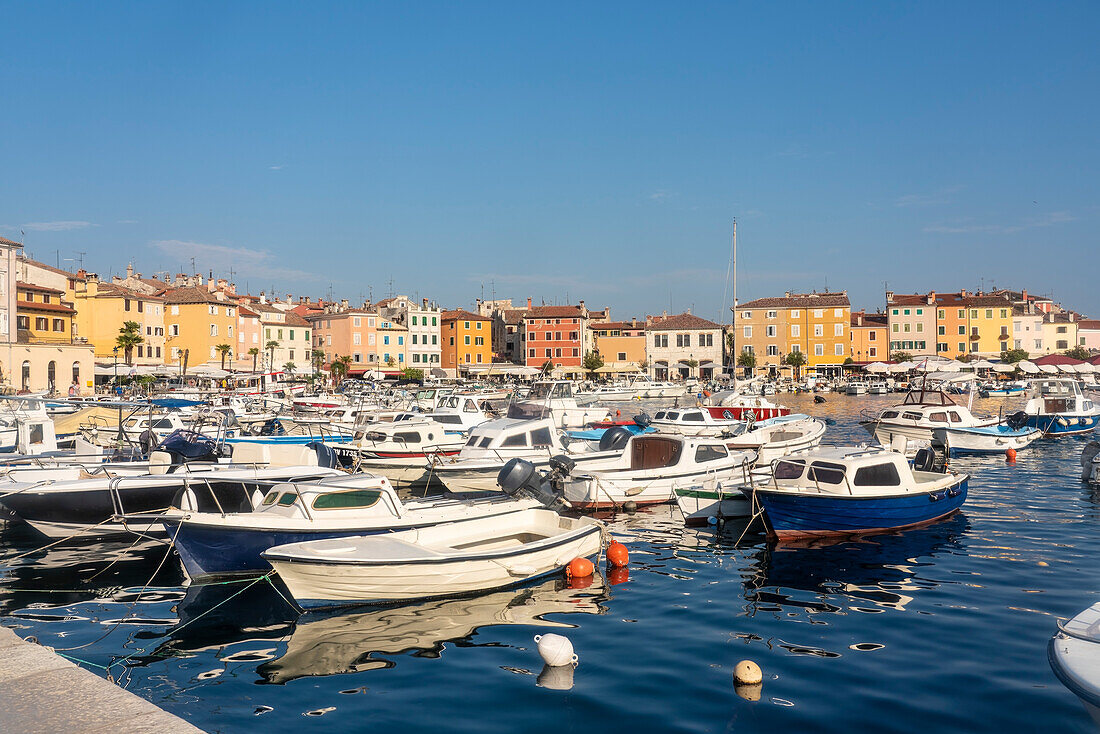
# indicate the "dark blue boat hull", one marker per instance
pixel 221 551
pixel 789 516
pixel 1059 425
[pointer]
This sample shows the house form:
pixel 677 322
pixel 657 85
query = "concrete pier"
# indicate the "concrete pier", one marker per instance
pixel 43 693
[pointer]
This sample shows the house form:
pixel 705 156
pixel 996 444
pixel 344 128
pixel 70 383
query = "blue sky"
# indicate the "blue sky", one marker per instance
pixel 560 150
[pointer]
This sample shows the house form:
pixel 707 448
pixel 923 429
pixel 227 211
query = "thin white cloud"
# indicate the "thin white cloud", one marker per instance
pixel 1049 219
pixel 127 221
pixel 243 260
pixel 59 226
pixel 276 168
pixel 938 197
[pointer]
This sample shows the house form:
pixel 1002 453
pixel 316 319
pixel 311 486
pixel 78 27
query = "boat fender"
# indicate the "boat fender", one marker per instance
pixel 579 568
pixel 617 554
pixel 1063 422
pixel 185 500
pixel 1010 456
pixel 556 650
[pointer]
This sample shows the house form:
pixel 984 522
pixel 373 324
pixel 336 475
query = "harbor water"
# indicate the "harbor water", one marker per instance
pixel 943 627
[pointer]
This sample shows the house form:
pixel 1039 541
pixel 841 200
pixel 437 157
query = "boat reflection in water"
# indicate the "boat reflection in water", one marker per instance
pixel 353 642
pixel 882 570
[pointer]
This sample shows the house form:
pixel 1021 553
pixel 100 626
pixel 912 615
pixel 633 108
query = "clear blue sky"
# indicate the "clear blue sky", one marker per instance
pixel 560 150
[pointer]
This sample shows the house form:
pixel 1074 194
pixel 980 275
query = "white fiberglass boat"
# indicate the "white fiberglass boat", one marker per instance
pixel 919 414
pixel 442 560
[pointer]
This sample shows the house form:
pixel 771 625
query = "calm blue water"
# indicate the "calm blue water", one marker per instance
pixel 943 627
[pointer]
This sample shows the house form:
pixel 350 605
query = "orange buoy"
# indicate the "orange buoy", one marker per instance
pixel 618 576
pixel 1010 455
pixel 579 582
pixel 617 554
pixel 618 413
pixel 579 568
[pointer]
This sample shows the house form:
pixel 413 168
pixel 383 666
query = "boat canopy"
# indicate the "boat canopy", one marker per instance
pixel 927 397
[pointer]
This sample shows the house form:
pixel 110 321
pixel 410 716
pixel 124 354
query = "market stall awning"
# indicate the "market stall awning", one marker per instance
pixel 878 368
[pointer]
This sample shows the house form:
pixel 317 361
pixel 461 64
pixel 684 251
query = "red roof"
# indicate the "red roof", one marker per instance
pixel 552 312
pixel 1056 359
pixel 460 314
pixel 683 321
pixel 55 307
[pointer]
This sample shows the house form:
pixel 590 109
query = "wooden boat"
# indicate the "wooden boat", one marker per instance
pixel 1074 655
pixel 439 561
pixel 855 491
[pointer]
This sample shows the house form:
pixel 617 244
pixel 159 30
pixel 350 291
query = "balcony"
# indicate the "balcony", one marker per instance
pixel 974 337
pixel 26 337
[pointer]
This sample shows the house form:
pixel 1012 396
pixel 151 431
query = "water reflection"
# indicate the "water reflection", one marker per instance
pixel 347 643
pixel 882 570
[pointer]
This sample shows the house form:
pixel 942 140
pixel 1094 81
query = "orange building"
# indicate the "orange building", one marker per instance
pixel 869 338
pixel 467 340
pixel 620 343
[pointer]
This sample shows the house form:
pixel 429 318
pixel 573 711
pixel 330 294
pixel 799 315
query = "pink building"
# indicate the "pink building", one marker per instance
pixel 1088 334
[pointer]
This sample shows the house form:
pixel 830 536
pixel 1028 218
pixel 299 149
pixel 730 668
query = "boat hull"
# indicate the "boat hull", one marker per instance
pixel 963 442
pixel 789 515
pixel 699 504
pixel 1064 425
pixel 1074 660
pixel 318 584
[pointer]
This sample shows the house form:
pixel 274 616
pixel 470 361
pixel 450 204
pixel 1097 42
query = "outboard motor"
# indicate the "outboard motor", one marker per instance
pixel 1016 420
pixel 931 460
pixel 642 420
pixel 615 439
pixel 1090 462
pixel 819 399
pixel 519 478
pixel 184 446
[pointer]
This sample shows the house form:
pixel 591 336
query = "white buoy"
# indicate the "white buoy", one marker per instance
pixel 747 673
pixel 556 650
pixel 556 677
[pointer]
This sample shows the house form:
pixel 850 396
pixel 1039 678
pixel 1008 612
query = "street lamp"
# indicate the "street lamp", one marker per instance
pixel 115 350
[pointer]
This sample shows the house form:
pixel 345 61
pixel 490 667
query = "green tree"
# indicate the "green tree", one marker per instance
pixel 339 368
pixel 643 365
pixel 1012 356
pixel 746 359
pixel 224 351
pixel 592 361
pixel 412 373
pixel 271 346
pixel 1078 352
pixel 129 336
pixel 796 360
pixel 901 357
pixel 849 360
pixel 254 352
pixel 547 367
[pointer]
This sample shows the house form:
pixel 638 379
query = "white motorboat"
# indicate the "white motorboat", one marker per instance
pixel 919 414
pixel 399 450
pixel 777 437
pixel 554 398
pixel 1074 655
pixel 442 560
pixel 646 387
pixel 878 388
pixel 1058 406
pixel 715 421
pixel 492 444
pixel 856 387
pixel 1014 434
pixel 651 467
pixel 220 544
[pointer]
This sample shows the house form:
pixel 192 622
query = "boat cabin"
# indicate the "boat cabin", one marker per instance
pixel 848 471
pixel 1055 396
pixel 363 495
pixel 511 436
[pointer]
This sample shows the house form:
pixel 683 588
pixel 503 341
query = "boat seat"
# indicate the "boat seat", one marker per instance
pixel 159 462
pixel 394 549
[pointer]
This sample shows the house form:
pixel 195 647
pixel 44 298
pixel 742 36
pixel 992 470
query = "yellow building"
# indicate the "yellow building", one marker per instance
pixel 467 340
pixel 622 344
pixel 869 338
pixel 197 320
pixel 969 324
pixel 815 324
pixel 102 309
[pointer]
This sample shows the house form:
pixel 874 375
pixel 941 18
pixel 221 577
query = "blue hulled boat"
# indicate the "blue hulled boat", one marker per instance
pixel 854 491
pixel 1058 406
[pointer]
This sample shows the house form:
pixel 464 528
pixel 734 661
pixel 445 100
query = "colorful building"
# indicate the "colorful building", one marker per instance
pixel 197 321
pixel 103 308
pixel 911 319
pixel 621 344
pixel 683 346
pixel 1088 334
pixel 555 334
pixel 869 337
pixel 352 332
pixel 467 340
pixel 1060 331
pixel 973 324
pixel 815 324
pixel 393 339
pixel 423 323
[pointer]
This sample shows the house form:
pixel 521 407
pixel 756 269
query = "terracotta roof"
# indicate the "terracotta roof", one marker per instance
pixel 514 315
pixel 43 265
pixel 870 320
pixel 293 319
pixel 680 322
pixel 971 301
pixel 799 300
pixel 6 241
pixel 193 295
pixel 916 299
pixel 461 314
pixel 37 288
pixel 1088 324
pixel 112 290
pixel 55 307
pixel 601 325
pixel 552 312
pixel 1056 359
pixel 246 311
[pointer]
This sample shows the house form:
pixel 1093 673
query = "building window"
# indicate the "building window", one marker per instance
pixel 748 332
pixel 871 336
pixel 795 313
pixel 819 350
pixel 41 323
pixel 771 331
pixel 873 352
pixel 746 314
pixel 770 314
pixel 125 304
pixel 819 329
pixel 795 330
pixel 23 322
pixel 213 329
pixel 773 350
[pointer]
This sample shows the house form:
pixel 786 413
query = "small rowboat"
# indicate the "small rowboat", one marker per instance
pixel 1074 655
pixel 439 561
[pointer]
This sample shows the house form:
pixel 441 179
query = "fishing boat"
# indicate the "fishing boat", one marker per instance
pixel 229 544
pixel 855 491
pixel 644 386
pixel 439 561
pixel 1058 406
pixel 1074 656
pixel 476 466
pixel 398 450
pixel 878 388
pixel 555 399
pixel 651 467
pixel 1014 434
pixel 1003 390
pixel 922 411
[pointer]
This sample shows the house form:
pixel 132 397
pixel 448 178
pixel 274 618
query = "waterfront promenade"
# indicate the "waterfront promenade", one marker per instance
pixel 43 693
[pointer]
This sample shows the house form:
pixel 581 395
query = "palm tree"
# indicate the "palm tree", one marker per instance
pixel 289 367
pixel 254 353
pixel 339 367
pixel 223 351
pixel 318 359
pixel 271 346
pixel 129 336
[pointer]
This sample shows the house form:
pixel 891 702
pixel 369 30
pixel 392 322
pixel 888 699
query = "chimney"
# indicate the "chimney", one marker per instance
pixel 1023 295
pixel 82 273
pixel 289 299
pixel 263 297
pixel 528 301
pixel 931 298
pixel 963 293
pixel 344 304
pixel 129 270
pixel 889 296
pixel 210 284
pixel 424 304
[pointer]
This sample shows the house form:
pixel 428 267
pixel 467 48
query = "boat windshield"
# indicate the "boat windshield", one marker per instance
pixel 789 469
pixel 545 390
pixel 1056 388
